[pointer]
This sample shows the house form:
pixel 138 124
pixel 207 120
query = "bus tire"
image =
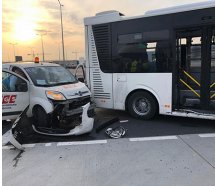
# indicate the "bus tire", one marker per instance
pixel 142 105
pixel 40 117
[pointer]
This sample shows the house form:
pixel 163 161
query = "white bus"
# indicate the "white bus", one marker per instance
pixel 162 62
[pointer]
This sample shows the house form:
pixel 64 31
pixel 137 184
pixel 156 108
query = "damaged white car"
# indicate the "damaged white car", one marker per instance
pixel 58 104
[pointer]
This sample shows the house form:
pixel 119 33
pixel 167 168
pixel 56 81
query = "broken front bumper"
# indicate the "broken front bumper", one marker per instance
pixel 71 109
pixel 85 126
pixel 67 113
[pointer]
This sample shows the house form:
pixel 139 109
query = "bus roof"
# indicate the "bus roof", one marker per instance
pixel 113 16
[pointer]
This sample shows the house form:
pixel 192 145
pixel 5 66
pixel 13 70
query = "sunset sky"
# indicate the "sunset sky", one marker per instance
pixel 22 20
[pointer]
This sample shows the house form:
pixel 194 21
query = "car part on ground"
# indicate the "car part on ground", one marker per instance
pixel 116 133
pixel 107 123
pixel 17 134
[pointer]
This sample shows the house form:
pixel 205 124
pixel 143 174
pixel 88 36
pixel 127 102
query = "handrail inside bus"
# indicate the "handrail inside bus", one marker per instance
pixel 192 78
pixel 212 85
pixel 189 87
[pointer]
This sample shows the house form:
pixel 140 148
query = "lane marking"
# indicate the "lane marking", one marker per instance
pixel 153 138
pixel 28 145
pixel 6 137
pixel 48 144
pixel 82 142
pixel 207 135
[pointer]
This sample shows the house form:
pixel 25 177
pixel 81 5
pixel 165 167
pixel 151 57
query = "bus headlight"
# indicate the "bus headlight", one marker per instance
pixel 55 95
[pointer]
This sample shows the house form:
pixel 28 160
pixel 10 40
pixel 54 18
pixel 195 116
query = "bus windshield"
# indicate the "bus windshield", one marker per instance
pixel 48 76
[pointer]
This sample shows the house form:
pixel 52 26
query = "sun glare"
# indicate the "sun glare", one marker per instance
pixel 24 30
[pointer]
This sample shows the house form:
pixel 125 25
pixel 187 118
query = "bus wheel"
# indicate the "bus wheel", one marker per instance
pixel 40 117
pixel 142 105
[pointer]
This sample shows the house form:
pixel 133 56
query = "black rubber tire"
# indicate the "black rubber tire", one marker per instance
pixel 150 102
pixel 41 118
pixel 24 126
pixel 91 113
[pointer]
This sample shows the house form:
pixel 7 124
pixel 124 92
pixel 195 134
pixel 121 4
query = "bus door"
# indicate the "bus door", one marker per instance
pixel 194 50
pixel 212 81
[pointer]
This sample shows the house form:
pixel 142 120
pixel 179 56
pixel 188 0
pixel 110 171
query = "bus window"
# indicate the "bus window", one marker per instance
pixel 135 56
pixel 195 54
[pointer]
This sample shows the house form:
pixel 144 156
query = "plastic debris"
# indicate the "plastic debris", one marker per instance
pixel 116 133
pixel 123 121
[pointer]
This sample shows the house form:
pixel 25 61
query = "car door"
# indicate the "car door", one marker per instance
pixel 80 73
pixel 15 95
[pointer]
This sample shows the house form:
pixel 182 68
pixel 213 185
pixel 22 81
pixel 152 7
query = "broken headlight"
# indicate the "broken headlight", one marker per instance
pixel 54 95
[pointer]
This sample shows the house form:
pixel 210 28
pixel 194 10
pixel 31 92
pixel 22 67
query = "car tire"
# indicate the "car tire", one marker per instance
pixel 41 118
pixel 24 126
pixel 142 105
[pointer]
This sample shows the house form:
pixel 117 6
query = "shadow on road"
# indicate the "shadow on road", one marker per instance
pixel 160 126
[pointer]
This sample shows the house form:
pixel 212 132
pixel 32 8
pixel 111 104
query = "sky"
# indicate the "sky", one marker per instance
pixel 24 22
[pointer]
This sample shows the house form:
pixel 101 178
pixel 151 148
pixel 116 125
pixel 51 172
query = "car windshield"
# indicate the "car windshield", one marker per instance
pixel 48 76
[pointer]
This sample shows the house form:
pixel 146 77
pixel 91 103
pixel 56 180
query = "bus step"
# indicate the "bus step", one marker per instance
pixel 192 102
pixel 198 112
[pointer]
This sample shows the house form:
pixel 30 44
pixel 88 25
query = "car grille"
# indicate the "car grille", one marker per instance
pixel 78 102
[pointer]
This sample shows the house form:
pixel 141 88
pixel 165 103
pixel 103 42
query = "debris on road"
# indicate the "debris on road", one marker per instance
pixel 123 121
pixel 116 133
pixel 107 123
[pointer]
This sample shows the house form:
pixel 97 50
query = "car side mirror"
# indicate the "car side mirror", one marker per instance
pixel 81 79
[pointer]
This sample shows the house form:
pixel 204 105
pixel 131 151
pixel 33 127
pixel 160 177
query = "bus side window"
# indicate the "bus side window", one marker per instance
pixel 163 57
pixel 138 56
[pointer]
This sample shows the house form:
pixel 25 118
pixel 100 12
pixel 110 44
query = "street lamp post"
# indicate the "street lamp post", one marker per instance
pixel 32 53
pixel 58 44
pixel 41 36
pixel 14 44
pixel 62 29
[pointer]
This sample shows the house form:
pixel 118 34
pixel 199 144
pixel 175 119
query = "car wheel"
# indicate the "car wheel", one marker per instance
pixel 142 105
pixel 41 118
pixel 24 126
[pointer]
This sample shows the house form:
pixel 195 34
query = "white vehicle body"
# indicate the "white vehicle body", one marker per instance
pixel 75 92
pixel 112 88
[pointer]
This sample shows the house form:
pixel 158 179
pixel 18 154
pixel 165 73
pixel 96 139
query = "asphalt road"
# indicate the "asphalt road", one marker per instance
pixel 160 126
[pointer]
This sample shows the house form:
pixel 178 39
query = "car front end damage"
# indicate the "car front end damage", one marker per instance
pixel 80 122
pixel 71 117
pixel 69 111
pixel 68 115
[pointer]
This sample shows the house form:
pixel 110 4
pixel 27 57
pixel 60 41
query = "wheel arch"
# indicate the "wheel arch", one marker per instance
pixel 142 90
pixel 35 106
pixel 46 105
